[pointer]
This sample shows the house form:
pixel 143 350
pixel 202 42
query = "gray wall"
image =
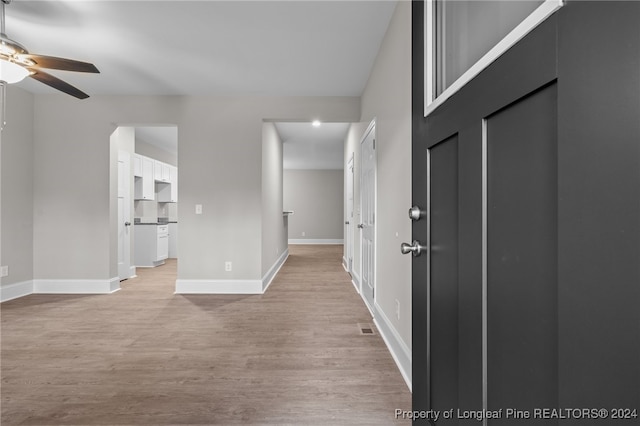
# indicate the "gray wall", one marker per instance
pixel 274 237
pixel 317 198
pixel 387 98
pixel 220 167
pixel 16 174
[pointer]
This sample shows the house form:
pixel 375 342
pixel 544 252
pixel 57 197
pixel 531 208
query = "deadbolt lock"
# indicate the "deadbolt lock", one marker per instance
pixel 415 213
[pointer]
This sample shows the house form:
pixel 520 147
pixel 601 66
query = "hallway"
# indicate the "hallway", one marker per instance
pixel 143 355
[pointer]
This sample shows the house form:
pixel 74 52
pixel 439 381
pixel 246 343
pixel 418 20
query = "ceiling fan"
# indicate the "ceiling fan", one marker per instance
pixel 17 63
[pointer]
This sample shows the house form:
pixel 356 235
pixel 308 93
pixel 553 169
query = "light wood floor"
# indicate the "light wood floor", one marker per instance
pixel 144 356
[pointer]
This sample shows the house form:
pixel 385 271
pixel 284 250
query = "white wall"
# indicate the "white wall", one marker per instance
pixel 274 237
pixel 220 167
pixel 317 199
pixel 16 178
pixel 387 99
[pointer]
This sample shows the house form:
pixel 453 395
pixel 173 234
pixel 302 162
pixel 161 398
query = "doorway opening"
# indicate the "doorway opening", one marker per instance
pixel 147 197
pixel 313 181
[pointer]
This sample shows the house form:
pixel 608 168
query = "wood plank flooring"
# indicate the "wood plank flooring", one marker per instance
pixel 144 356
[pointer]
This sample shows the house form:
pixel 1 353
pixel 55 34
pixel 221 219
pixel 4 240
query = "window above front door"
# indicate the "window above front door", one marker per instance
pixel 462 37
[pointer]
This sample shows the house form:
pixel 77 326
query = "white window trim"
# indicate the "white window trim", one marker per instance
pixel 431 102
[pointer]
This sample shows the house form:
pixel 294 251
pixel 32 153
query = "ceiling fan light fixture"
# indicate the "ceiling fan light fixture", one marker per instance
pixel 12 73
pixel 7 49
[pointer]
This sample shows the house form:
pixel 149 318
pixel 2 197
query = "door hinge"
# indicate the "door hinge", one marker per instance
pixel 374 143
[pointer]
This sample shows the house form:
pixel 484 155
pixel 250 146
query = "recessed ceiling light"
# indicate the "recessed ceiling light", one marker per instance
pixel 315 123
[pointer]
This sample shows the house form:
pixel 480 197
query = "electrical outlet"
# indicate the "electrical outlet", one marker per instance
pixel 228 266
pixel 397 309
pixel 304 234
pixel 4 271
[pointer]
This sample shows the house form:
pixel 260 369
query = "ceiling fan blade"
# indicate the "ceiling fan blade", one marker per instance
pixel 64 64
pixel 56 83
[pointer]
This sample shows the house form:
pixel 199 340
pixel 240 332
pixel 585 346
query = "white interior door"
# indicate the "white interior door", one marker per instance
pixel 368 214
pixel 350 218
pixel 124 216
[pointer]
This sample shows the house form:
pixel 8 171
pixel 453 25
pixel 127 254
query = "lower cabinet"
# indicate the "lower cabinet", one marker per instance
pixel 151 244
pixel 173 240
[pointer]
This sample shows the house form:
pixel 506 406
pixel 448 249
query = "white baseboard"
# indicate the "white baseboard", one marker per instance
pixel 44 286
pixel 218 287
pixel 232 286
pixel 355 279
pixel 399 351
pixel 15 290
pixel 273 271
pixel 316 241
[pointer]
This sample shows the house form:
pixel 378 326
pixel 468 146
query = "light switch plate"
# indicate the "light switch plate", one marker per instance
pixel 198 208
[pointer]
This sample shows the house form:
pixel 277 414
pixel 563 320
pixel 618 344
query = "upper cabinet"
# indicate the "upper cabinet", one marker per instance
pixel 144 188
pixel 168 191
pixel 162 172
pixel 154 180
pixel 137 165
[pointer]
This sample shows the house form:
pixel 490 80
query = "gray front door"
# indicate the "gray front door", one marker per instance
pixel 527 298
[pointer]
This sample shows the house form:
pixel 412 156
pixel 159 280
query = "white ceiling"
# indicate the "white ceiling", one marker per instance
pixel 309 147
pixel 288 48
pixel 205 47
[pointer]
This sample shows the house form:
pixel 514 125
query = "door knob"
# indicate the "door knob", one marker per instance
pixel 415 248
pixel 361 225
pixel 127 224
pixel 415 213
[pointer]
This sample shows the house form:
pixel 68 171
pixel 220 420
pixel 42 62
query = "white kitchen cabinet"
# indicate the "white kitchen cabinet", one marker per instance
pixel 173 240
pixel 137 165
pixel 167 192
pixel 162 249
pixel 162 172
pixel 144 188
pixel 151 244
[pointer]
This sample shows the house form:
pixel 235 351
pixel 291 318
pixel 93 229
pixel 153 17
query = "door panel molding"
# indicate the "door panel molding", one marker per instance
pixel 520 285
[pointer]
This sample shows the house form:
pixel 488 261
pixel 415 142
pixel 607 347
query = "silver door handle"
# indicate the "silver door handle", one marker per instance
pixel 361 225
pixel 415 213
pixel 127 224
pixel 415 248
